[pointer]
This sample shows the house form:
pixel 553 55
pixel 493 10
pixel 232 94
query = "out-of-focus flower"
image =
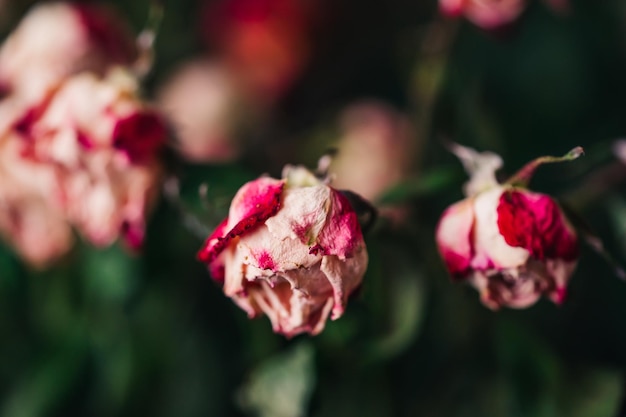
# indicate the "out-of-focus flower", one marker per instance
pixel 375 149
pixel 487 14
pixel 201 100
pixel 86 153
pixel 619 149
pixel 290 248
pixel 55 40
pixel 512 244
pixel 493 14
pixel 264 41
pixel 38 232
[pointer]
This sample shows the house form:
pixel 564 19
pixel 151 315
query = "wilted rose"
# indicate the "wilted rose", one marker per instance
pixel 55 40
pixel 290 248
pixel 87 153
pixel 201 100
pixel 510 243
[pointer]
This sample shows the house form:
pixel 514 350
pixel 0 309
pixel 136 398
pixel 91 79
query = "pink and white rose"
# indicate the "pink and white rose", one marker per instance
pixel 58 39
pixel 290 248
pixel 511 244
pixel 87 154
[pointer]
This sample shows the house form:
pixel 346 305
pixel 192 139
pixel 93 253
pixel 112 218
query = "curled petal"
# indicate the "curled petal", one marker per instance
pixel 342 232
pixel 253 204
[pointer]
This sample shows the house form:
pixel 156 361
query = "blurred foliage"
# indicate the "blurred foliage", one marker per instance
pixel 104 333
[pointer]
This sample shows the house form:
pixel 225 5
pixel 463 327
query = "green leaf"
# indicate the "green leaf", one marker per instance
pixel 282 385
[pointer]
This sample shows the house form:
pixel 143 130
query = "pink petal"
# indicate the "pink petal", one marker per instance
pixel 342 231
pixel 208 252
pixel 454 237
pixel 253 204
pixel 534 222
pixel 139 135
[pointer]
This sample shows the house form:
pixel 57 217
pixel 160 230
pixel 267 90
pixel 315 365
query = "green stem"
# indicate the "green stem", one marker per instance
pixel 146 38
pixel 524 175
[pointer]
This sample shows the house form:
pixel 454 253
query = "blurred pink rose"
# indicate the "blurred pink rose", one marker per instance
pixel 512 244
pixel 493 14
pixel 487 14
pixel 88 151
pixel 55 40
pixel 264 41
pixel 375 150
pixel 291 249
pixel 201 100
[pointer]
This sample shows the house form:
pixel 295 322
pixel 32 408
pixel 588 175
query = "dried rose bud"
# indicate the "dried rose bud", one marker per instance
pixel 56 40
pixel 89 151
pixel 510 243
pixel 291 249
pixel 201 100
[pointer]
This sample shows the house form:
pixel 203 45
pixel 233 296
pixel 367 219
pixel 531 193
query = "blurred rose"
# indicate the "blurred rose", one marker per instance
pixel 264 41
pixel 375 150
pixel 89 151
pixel 291 249
pixel 55 40
pixel 493 14
pixel 512 244
pixel 487 14
pixel 201 101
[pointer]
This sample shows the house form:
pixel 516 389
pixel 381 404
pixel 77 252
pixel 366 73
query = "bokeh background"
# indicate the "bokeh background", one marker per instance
pixel 106 333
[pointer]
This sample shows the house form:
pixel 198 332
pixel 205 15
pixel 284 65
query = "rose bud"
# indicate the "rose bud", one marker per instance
pixel 290 248
pixel 56 40
pixel 99 144
pixel 201 101
pixel 510 243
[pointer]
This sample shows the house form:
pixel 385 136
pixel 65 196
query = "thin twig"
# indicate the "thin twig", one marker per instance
pixel 171 191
